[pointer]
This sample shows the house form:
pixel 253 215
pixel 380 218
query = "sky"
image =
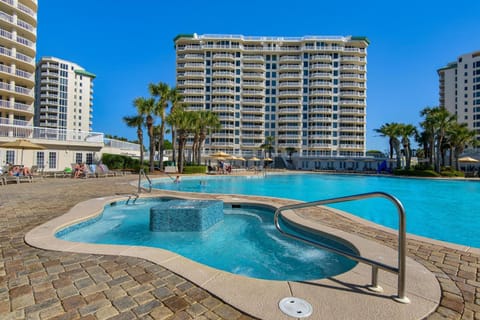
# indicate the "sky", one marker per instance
pixel 129 44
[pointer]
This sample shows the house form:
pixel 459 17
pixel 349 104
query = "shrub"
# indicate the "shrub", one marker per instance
pixel 194 169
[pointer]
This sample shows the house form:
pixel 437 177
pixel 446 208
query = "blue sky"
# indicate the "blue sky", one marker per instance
pixel 130 44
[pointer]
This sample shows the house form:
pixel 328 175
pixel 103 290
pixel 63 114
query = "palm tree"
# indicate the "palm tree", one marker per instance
pixel 391 130
pixel 437 121
pixel 207 122
pixel 145 109
pixel 176 102
pixel 183 122
pixel 161 96
pixel 459 136
pixel 137 121
pixel 406 131
pixel 268 145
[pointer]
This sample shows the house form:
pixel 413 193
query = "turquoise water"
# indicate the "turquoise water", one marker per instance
pixel 439 209
pixel 245 243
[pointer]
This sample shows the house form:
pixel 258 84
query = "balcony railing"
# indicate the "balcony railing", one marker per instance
pixel 20 129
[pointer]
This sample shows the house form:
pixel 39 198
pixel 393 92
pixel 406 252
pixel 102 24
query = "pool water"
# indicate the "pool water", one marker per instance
pixel 439 209
pixel 246 242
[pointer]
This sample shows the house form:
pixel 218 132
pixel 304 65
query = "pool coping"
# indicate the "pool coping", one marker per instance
pixel 260 298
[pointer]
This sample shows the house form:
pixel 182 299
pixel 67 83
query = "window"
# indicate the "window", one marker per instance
pixel 89 160
pixel 78 157
pixel 10 156
pixel 52 160
pixel 40 160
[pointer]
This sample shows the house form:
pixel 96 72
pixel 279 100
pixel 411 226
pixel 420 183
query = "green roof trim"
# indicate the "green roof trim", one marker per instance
pixel 451 65
pixel 360 38
pixel 85 73
pixel 183 35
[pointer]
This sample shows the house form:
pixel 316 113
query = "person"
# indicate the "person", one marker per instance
pixel 177 180
pixel 79 168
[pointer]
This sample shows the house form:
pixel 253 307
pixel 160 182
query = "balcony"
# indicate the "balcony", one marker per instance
pixel 217 108
pixel 253 84
pixel 321 92
pixel 289 119
pixel 223 65
pixel 321 66
pixel 319 110
pixel 288 110
pixel 250 92
pixel 224 74
pixel 289 84
pixel 289 93
pixel 290 59
pixel 290 75
pixel 253 58
pixel 253 75
pixel 222 91
pixel 223 83
pixel 317 75
pixel 320 57
pixel 224 56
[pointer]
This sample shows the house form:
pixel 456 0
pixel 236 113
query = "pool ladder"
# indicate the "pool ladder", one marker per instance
pixel 400 270
pixel 141 173
pixel 135 197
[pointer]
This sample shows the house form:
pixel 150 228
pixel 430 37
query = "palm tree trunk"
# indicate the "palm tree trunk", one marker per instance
pixel 161 143
pixel 173 146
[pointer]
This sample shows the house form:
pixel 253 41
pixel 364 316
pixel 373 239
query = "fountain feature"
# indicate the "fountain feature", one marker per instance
pixel 186 215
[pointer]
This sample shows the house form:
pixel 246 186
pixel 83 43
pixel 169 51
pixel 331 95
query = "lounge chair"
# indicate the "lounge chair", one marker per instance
pixel 101 170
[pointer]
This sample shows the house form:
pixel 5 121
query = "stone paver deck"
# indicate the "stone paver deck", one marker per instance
pixel 40 284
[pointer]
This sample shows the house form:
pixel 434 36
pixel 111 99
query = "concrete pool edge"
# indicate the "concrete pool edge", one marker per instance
pixel 260 298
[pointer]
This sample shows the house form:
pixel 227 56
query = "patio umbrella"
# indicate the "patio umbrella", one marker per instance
pixel 267 159
pixel 22 144
pixel 219 154
pixel 467 159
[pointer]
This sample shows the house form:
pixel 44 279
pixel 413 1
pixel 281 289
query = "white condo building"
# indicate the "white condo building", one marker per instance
pixel 309 93
pixel 63 95
pixel 460 89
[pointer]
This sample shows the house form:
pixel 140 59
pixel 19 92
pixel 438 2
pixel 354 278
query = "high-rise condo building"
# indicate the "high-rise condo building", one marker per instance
pixel 63 95
pixel 18 34
pixel 460 89
pixel 308 93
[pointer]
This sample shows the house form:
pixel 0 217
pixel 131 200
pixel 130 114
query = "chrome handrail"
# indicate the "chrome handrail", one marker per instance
pixel 140 173
pixel 400 270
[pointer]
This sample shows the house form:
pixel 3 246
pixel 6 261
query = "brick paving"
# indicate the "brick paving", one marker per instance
pixel 40 284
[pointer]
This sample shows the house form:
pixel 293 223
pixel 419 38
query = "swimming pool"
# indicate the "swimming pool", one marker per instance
pixel 246 242
pixel 439 209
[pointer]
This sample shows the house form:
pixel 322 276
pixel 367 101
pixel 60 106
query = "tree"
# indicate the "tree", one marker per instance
pixel 391 130
pixel 183 121
pixel 406 131
pixel 268 145
pixel 459 136
pixel 137 121
pixel 437 121
pixel 161 96
pixel 176 102
pixel 206 122
pixel 144 109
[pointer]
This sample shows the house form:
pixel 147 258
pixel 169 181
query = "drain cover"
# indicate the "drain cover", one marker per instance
pixel 295 307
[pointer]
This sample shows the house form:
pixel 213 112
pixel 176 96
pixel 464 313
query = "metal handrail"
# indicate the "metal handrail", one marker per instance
pixel 140 173
pixel 400 270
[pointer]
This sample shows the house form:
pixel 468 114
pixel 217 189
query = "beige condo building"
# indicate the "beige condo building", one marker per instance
pixel 18 34
pixel 460 89
pixel 308 93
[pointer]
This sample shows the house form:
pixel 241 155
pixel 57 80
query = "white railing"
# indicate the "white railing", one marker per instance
pixel 123 145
